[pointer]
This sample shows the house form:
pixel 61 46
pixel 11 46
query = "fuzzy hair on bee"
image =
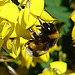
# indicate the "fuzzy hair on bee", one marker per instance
pixel 41 43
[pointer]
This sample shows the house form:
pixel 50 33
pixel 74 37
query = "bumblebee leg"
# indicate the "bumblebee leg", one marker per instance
pixel 38 25
pixel 33 33
pixel 41 24
pixel 40 21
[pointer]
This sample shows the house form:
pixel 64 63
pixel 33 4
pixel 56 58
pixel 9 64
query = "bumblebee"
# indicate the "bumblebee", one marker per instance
pixel 41 43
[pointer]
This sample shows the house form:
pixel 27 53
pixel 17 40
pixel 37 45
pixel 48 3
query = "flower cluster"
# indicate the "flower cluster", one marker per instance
pixel 58 66
pixel 72 16
pixel 14 23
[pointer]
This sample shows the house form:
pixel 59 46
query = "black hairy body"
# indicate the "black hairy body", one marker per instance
pixel 41 43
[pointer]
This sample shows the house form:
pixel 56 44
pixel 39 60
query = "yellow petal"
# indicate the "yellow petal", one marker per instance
pixel 8 45
pixel 45 57
pixel 29 19
pixel 32 20
pixel 1 43
pixel 46 73
pixel 24 1
pixel 45 16
pixel 1 28
pixel 15 48
pixel 22 41
pixel 10 12
pixel 28 59
pixel 36 7
pixel 0 20
pixel 37 22
pixel 20 20
pixel 14 34
pixel 16 44
pixel 33 64
pixel 22 32
pixel 17 53
pixel 21 27
pixel 6 30
pixel 26 15
pixel 73 33
pixel 73 16
pixel 2 2
pixel 28 62
pixel 60 66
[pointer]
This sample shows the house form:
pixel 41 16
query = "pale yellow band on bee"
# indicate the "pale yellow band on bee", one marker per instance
pixel 54 35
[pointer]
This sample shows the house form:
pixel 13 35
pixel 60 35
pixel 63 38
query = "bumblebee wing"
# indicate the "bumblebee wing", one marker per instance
pixel 29 52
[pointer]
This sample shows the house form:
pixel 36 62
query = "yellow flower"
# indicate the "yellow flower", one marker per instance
pixel 73 33
pixel 34 9
pixel 21 26
pixel 6 29
pixel 20 31
pixel 29 19
pixel 72 16
pixel 26 19
pixel 12 46
pixel 27 60
pixel 17 47
pixel 60 66
pixel 10 12
pixel 35 6
pixel 15 55
pixel 14 26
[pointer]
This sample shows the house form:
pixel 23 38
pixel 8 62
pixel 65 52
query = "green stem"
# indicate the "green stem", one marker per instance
pixel 60 55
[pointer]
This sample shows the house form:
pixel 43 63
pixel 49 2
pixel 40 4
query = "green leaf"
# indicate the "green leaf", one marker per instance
pixel 53 2
pixel 66 28
pixel 61 13
pixel 44 65
pixel 5 53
